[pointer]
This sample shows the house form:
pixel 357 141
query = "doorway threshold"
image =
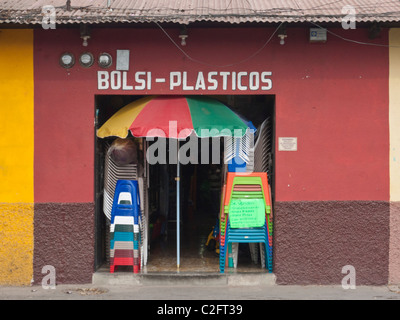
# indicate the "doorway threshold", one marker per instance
pixel 126 277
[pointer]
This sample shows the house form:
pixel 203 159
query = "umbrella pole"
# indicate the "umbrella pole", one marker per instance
pixel 178 222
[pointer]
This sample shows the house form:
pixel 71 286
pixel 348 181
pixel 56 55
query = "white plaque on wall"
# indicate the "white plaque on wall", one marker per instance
pixel 287 144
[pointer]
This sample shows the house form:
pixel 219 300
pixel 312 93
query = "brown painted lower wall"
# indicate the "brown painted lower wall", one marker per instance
pixel 394 249
pixel 64 238
pixel 314 240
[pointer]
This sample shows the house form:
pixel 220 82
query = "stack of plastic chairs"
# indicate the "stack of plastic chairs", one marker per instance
pixel 222 227
pixel 114 172
pixel 246 186
pixel 262 151
pixel 125 235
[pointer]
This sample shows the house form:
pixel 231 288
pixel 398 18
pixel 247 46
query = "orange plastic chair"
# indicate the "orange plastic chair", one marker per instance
pixel 230 183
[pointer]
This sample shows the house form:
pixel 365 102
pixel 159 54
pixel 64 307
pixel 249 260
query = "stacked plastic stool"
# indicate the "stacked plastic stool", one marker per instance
pixel 250 235
pixel 222 227
pixel 240 191
pixel 125 235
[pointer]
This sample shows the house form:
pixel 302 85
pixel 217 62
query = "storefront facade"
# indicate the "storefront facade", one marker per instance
pixel 336 194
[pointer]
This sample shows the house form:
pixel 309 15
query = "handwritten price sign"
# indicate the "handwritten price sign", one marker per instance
pixel 247 213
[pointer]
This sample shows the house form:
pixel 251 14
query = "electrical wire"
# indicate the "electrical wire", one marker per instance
pixel 266 43
pixel 355 41
pixel 213 65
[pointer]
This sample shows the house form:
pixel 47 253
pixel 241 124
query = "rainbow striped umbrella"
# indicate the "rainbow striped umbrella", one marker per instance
pixel 174 117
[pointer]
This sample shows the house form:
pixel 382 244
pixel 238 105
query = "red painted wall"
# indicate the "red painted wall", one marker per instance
pixel 333 97
pixel 64 122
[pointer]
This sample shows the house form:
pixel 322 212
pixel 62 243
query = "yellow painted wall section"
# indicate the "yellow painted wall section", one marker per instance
pixel 16 116
pixel 394 127
pixel 16 156
pixel 394 113
pixel 16 244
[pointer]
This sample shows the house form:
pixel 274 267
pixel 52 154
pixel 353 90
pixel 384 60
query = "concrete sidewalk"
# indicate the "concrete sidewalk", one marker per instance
pixel 193 292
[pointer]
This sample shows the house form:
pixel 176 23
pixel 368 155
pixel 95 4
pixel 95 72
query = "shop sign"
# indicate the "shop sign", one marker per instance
pixel 179 80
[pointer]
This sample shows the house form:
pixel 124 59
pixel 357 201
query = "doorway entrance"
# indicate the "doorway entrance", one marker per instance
pixel 199 193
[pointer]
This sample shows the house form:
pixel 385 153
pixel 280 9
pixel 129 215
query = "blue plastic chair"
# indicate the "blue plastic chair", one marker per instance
pixel 125 209
pixel 126 202
pixel 237 165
